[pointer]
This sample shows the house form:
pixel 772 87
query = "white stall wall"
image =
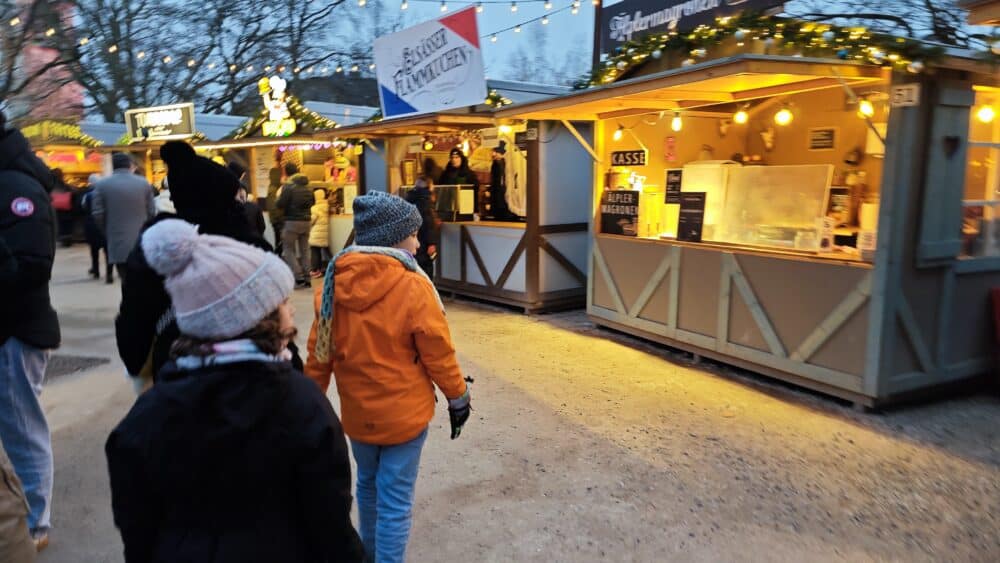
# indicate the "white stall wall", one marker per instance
pixel 565 174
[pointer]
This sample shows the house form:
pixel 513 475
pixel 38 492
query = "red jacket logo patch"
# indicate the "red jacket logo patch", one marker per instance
pixel 22 207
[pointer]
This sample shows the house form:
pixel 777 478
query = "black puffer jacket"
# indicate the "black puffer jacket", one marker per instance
pixel 143 325
pixel 428 233
pixel 297 199
pixel 27 245
pixel 241 463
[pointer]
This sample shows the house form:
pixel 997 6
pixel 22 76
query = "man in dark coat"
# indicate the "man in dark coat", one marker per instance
pixel 499 210
pixel 122 203
pixel 204 193
pixel 296 203
pixel 428 235
pixel 29 327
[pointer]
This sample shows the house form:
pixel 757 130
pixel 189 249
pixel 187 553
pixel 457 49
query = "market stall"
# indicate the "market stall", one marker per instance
pixel 66 147
pixel 532 257
pixel 771 212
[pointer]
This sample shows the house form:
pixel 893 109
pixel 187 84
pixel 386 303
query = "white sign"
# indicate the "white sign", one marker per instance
pixel 433 66
pixel 906 95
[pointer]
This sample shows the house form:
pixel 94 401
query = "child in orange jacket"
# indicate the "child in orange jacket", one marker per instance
pixel 380 329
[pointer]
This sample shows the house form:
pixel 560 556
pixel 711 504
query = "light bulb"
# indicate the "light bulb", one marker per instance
pixel 428 145
pixel 783 117
pixel 493 38
pixel 513 6
pixel 140 54
pixel 505 129
pixel 575 10
pixel 404 5
pixel 444 6
pixel 986 114
pixel 618 133
pixel 465 147
pixel 545 20
pixel 113 49
pixel 741 117
pixel 676 124
pixel 167 59
pixel 865 108
pixel 361 3
pixel 14 21
pixel 479 7
pixel 548 5
pixel 191 62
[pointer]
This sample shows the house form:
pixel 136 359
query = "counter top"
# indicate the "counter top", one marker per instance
pixel 499 224
pixel 831 258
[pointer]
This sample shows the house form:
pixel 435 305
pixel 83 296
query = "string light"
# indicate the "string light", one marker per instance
pixel 575 9
pixel 479 7
pixel 84 41
pixel 444 6
pixel 866 108
pixel 113 49
pixel 371 66
pixel 545 20
pixel 50 32
pixel 617 135
pixel 167 59
pixel 513 6
pixel 354 68
pixel 783 117
pixel 404 5
pixel 428 144
pixel 191 63
pixel 986 114
pixel 140 55
pixel 741 117
pixel 548 5
pixel 362 3
pixel 15 21
pixel 493 38
pixel 339 69
pixel 517 29
pixel 676 124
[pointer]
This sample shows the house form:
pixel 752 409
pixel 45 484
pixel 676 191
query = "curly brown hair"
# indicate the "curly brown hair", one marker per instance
pixel 267 335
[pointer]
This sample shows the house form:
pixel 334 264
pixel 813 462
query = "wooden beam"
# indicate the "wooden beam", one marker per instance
pixel 608 280
pixel 756 310
pixel 836 319
pixel 562 260
pixel 583 142
pixel 654 281
pixel 511 263
pixel 914 335
pixel 471 245
pixel 725 292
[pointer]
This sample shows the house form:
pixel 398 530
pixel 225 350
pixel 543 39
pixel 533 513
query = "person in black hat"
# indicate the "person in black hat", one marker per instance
pixel 457 172
pixel 204 193
pixel 250 208
pixel 498 185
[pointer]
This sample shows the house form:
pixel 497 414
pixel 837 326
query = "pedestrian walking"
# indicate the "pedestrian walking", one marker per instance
pixel 234 456
pixel 319 233
pixel 204 193
pixel 95 237
pixel 422 197
pixel 275 215
pixel 296 203
pixel 457 172
pixel 15 540
pixel 29 327
pixel 381 331
pixel 62 202
pixel 123 202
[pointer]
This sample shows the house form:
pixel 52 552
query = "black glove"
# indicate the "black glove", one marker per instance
pixel 459 410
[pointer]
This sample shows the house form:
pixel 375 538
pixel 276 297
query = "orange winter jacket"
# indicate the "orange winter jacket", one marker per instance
pixel 392 341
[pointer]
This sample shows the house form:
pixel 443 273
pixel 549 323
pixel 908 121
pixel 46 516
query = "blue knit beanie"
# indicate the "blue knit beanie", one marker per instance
pixel 382 219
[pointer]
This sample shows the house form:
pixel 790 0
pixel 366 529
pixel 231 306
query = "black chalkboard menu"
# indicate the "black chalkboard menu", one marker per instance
pixel 673 184
pixel 692 216
pixel 620 212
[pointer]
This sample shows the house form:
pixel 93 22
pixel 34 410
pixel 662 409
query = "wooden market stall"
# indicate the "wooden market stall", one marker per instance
pixel 66 147
pixel 799 246
pixel 535 262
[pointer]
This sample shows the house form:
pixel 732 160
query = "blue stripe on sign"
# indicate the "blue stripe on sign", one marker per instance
pixel 394 105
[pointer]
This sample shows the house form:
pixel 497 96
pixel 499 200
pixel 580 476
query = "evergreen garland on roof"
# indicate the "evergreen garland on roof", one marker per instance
pixel 304 118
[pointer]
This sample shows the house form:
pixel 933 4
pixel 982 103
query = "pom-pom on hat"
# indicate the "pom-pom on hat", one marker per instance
pixel 382 219
pixel 220 288
pixel 195 181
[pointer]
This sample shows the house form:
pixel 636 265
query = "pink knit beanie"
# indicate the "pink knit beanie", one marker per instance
pixel 220 288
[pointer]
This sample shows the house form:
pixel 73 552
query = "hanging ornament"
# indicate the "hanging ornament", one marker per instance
pixel 620 65
pixel 843 53
pixel 740 35
pixel 829 36
pixel 687 62
pixel 657 54
pixel 699 53
pixel 915 67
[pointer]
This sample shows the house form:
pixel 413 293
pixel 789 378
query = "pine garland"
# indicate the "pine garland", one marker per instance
pixel 303 116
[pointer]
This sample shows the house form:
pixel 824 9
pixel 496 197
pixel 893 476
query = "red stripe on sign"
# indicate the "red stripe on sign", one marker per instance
pixel 463 23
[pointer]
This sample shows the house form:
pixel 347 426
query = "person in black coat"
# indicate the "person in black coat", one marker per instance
pixel 94 234
pixel 234 456
pixel 252 211
pixel 457 172
pixel 499 210
pixel 203 193
pixel 428 235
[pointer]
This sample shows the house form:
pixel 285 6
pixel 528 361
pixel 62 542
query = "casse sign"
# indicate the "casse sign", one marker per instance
pixel 628 158
pixel 161 122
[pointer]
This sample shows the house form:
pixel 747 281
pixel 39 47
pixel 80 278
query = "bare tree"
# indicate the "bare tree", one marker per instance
pixel 539 66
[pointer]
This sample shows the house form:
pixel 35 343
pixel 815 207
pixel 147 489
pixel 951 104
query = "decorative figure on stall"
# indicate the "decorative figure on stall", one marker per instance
pixel 279 119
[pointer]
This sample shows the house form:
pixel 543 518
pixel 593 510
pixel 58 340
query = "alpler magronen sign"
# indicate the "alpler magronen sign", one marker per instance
pixel 631 20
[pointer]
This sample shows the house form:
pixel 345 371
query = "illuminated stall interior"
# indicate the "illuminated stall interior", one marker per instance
pixel 66 147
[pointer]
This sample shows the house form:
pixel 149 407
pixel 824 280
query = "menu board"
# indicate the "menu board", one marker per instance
pixel 692 216
pixel 620 212
pixel 673 184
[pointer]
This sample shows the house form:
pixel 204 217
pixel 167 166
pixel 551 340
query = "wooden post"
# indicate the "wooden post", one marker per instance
pixel 532 234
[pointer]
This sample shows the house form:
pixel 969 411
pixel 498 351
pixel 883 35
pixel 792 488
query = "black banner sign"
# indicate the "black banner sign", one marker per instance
pixel 631 20
pixel 673 184
pixel 162 122
pixel 692 216
pixel 620 212
pixel 628 158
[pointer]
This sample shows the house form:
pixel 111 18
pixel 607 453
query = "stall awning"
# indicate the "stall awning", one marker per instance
pixel 427 124
pixel 720 81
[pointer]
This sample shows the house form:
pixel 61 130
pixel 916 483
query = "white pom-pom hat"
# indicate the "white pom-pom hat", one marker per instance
pixel 220 288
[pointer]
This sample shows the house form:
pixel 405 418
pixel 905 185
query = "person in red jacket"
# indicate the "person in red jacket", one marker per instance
pixel 381 331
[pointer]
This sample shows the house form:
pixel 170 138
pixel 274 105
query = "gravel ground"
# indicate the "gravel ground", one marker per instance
pixel 589 445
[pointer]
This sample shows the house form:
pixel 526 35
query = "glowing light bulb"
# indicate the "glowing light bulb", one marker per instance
pixel 167 59
pixel 140 54
pixel 506 129
pixel 404 5
pixel 545 20
pixel 493 38
pixel 676 124
pixel 361 3
pixel 986 114
pixel 617 136
pixel 428 145
pixel 513 6
pixel 479 7
pixel 866 108
pixel 548 5
pixel 741 117
pixel 113 49
pixel 444 6
pixel 517 29
pixel 50 32
pixel 783 117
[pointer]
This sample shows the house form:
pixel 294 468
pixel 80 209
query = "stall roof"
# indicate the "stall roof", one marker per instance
pixel 416 125
pixel 726 80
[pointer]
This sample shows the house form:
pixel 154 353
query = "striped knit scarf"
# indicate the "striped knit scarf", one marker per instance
pixel 324 341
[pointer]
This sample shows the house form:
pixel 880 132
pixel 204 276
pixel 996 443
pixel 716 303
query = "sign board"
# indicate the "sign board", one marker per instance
pixel 631 20
pixel 692 216
pixel 628 158
pixel 620 212
pixel 432 66
pixel 160 123
pixel 905 95
pixel 673 184
pixel 822 138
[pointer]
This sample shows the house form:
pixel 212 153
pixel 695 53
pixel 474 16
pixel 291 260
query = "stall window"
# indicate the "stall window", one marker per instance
pixel 981 203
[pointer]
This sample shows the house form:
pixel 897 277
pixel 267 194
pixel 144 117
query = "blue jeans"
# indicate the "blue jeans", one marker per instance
pixel 386 479
pixel 23 428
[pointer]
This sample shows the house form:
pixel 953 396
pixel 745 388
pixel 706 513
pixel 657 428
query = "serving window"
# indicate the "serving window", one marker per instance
pixel 981 204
